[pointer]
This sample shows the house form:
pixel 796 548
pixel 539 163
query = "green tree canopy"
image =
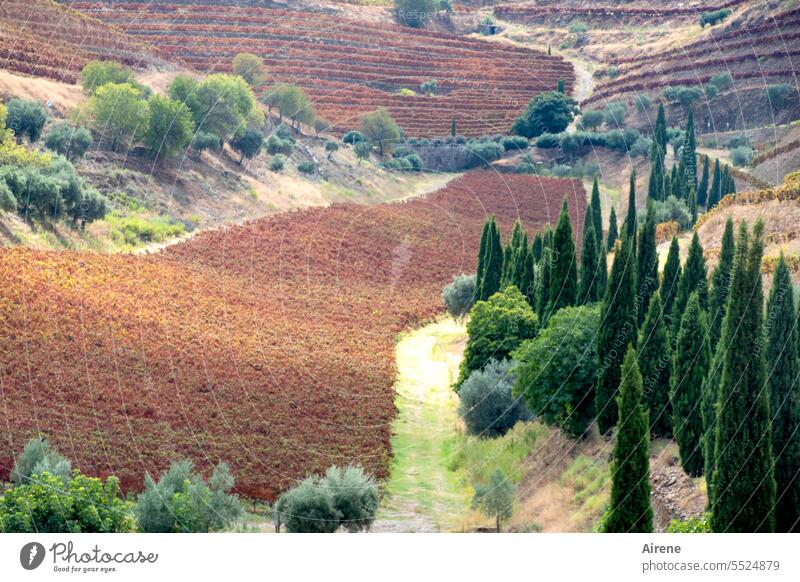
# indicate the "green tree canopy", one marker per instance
pixel 119 113
pixel 381 130
pixel 250 68
pixel 169 126
pixel 548 112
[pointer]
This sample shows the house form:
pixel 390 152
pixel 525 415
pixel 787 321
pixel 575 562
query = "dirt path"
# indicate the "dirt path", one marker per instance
pixel 422 495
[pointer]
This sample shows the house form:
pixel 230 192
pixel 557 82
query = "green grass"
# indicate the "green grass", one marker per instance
pixel 134 230
pixel 590 481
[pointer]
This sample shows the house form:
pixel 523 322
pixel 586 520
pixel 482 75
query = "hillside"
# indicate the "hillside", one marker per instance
pixel 255 335
pixel 483 86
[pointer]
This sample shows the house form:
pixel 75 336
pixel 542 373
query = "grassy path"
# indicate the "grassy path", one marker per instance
pixel 421 493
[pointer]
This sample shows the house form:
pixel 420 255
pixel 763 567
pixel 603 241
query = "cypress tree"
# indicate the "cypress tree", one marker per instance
pixel 714 192
pixel 453 127
pixel 613 233
pixel 630 510
pixel 656 187
pixel 744 470
pixel 693 279
pixel 597 214
pixel 493 264
pixel 528 282
pixel 784 375
pixel 689 153
pixel 692 203
pixel 617 329
pixel 482 252
pixel 655 361
pixel 702 188
pixel 720 282
pixel 708 410
pixel 647 264
pixel 679 181
pixel 630 221
pixel 689 368
pixel 537 247
pixel 564 269
pixel 671 280
pixel 508 265
pixel 660 137
pixel 589 290
pixel 543 289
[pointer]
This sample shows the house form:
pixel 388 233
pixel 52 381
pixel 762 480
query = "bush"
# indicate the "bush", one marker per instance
pixel 514 142
pixel 592 119
pixel 321 125
pixel 548 140
pixel 779 94
pixel 482 153
pixel 276 145
pixel 362 150
pixel 203 140
pixel 556 370
pixel 736 141
pixel 307 508
pixel 714 17
pixel 38 457
pixel 671 209
pixel 307 167
pixel 548 112
pixel 496 328
pixel 691 525
pixel 353 137
pixel 95 74
pixel 430 87
pixel 687 95
pixel 641 147
pixel 711 91
pixel 68 140
pixel 49 505
pixel 642 102
pixel 26 118
pixel 8 202
pixel 486 403
pixel 614 114
pixel 415 162
pixel 742 155
pixel 182 501
pixel 169 126
pixel 250 68
pixel 495 499
pixel 355 496
pixel 277 163
pixel 722 81
pixel 459 296
pixel 248 143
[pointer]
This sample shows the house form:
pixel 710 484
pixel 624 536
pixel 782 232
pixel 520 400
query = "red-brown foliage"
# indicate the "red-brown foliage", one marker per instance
pixel 349 68
pixel 269 345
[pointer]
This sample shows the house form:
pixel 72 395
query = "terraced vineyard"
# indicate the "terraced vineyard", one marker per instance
pixel 348 67
pixel 756 46
pixel 41 38
pixel 269 345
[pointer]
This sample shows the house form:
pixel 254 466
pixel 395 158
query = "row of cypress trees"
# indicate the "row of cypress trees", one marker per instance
pixel 729 393
pixel 682 181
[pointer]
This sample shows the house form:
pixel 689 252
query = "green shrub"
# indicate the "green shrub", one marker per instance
pixel 248 143
pixel 353 137
pixel 362 150
pixel 486 403
pixel 355 496
pixel 482 153
pixel 742 155
pixel 430 87
pixel 181 501
pixel 459 295
pixel 278 145
pixel 642 102
pixel 203 140
pixel 496 328
pixel 691 525
pixel 549 140
pixel 714 17
pixel 331 147
pixel 779 94
pixel 134 230
pixel 26 118
pixel 556 370
pixel 592 119
pixel 307 508
pixel 68 140
pixel 38 457
pixel 8 202
pixel 736 141
pixel 48 504
pixel 548 112
pixel 514 142
pixel 307 167
pixel 277 163
pixel 722 81
pixel 671 209
pixel 169 126
pixel 614 114
pixel 95 74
